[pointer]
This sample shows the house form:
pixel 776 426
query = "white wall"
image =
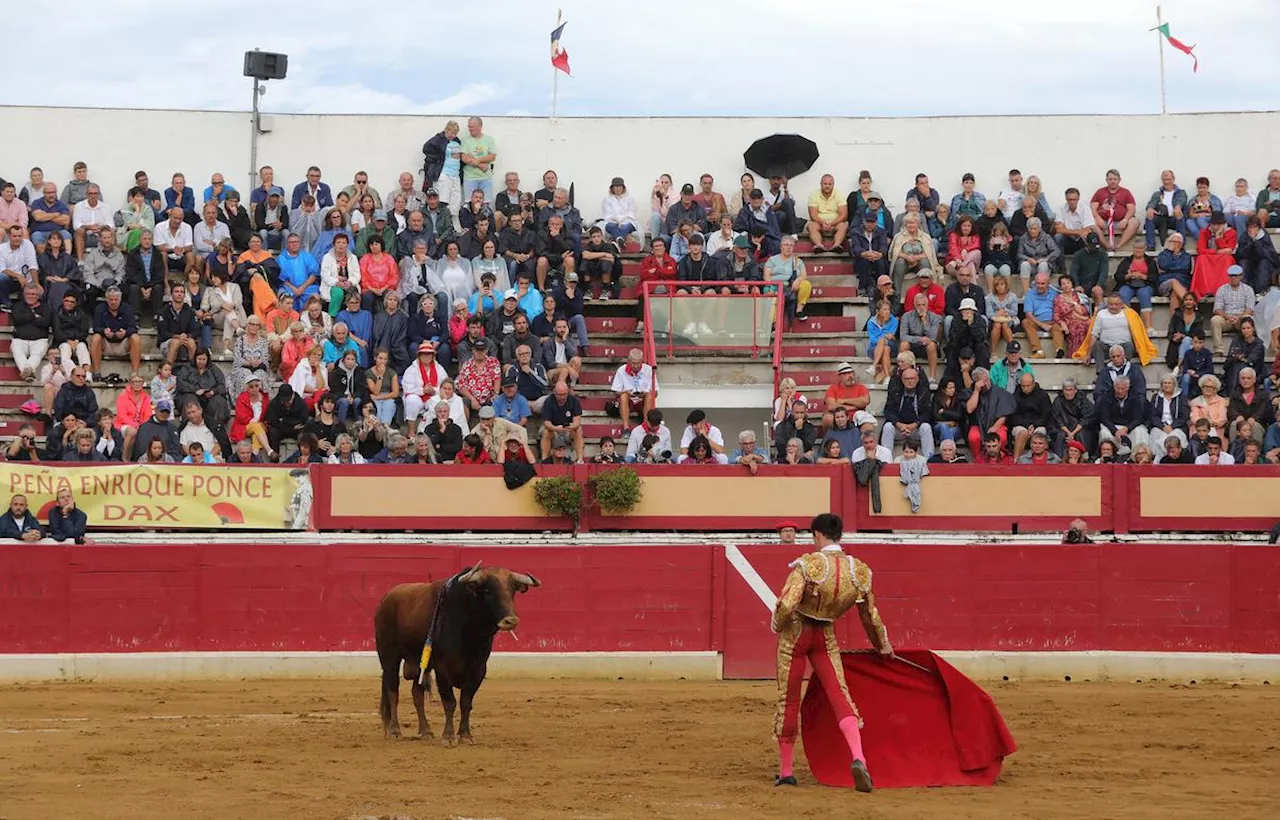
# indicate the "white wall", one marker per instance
pixel 1065 150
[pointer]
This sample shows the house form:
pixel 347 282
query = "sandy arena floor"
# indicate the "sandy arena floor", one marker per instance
pixel 265 750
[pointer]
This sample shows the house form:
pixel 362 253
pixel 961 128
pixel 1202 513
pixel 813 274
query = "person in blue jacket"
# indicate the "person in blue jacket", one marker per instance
pixel 299 272
pixel 67 522
pixel 19 524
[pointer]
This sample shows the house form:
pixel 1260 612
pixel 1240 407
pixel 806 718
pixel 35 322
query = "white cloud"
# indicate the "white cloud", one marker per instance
pixel 812 57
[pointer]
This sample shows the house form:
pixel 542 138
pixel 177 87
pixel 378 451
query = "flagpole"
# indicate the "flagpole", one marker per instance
pixel 555 74
pixel 1160 39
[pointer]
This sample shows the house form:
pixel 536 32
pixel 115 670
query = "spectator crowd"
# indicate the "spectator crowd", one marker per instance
pixel 444 322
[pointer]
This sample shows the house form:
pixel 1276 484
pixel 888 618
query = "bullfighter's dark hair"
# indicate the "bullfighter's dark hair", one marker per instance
pixel 829 525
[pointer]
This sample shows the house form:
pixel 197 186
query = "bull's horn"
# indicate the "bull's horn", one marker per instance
pixel 527 579
pixel 466 576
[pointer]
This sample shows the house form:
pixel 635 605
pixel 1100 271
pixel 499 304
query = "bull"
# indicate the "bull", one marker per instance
pixel 461 616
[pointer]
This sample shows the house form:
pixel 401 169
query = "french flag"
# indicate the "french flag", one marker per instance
pixel 559 57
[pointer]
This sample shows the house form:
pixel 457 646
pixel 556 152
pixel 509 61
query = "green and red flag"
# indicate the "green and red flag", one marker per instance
pixel 1180 46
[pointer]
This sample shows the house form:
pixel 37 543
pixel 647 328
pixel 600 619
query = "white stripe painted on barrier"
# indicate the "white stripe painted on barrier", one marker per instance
pixel 1201 667
pixel 113 666
pixel 739 562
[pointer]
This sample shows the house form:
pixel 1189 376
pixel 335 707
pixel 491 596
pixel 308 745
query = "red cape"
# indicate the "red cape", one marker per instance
pixel 935 728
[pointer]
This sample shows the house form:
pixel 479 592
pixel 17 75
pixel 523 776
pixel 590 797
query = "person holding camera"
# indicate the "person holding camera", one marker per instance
pixel 1077 533
pixel 23 447
pixel 650 441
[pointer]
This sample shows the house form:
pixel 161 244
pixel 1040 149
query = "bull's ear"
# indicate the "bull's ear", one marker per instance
pixel 524 581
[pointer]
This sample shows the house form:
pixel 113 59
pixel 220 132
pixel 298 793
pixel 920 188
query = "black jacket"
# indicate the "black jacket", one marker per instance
pixel 172 322
pixel 687 270
pixel 69 527
pixel 70 327
pixel 471 244
pixel 1122 272
pixel 359 387
pixel 1070 414
pixel 1109 413
pixel 787 430
pixel 80 400
pixel 30 324
pixel 287 418
pixel 553 247
pixel 433 151
pixel 239 226
pixel 1033 410
pixel 447 442
pixel 166 432
pixel 135 274
pixel 898 398
pixel 513 241
pixel 260 215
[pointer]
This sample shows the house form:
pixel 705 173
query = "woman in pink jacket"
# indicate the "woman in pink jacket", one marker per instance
pixel 964 248
pixel 132 409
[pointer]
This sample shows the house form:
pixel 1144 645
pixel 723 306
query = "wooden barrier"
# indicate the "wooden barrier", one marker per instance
pixel 264 598
pixel 972 497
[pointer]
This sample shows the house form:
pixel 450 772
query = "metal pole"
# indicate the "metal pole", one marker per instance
pixel 253 138
pixel 1164 109
pixel 555 74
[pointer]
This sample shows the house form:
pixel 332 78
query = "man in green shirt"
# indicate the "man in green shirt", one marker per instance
pixel 478 153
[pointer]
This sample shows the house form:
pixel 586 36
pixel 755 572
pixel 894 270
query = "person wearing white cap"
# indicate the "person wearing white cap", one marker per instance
pixel 969 330
pixel 847 392
pixel 1231 304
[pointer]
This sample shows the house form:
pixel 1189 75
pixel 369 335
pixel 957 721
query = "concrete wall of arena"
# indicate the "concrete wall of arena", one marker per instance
pixel 1061 150
pixel 192 610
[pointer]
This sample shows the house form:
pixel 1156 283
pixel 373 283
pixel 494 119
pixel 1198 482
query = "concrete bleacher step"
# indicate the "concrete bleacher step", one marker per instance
pixel 792 352
pixel 617 325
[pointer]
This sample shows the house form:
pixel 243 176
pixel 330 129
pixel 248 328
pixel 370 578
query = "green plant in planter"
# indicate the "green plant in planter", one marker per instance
pixel 616 491
pixel 560 496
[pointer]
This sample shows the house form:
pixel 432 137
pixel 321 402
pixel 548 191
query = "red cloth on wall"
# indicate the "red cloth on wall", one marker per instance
pixel 934 728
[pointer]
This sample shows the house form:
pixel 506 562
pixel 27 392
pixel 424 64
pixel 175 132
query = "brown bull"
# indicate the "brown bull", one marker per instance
pixel 461 615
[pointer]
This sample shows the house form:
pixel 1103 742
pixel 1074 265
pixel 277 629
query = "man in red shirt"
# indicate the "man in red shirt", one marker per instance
pixel 1113 210
pixel 658 266
pixel 847 392
pixel 992 452
pixel 933 292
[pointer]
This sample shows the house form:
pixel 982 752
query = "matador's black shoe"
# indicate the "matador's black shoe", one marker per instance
pixel 861 777
pixel 789 780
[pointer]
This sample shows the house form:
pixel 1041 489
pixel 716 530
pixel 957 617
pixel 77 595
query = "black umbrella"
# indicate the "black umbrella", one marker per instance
pixel 788 155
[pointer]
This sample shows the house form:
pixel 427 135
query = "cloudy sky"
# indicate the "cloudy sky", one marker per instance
pixel 674 57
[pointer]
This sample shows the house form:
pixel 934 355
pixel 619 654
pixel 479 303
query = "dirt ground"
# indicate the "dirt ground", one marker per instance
pixel 620 750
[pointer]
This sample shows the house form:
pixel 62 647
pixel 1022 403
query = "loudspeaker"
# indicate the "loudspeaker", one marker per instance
pixel 265 65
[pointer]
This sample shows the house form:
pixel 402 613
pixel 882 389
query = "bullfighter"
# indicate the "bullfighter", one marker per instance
pixel 822 587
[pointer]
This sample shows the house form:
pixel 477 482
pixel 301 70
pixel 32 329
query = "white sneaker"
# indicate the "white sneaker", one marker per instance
pixel 705 329
pixel 690 330
pixel 640 328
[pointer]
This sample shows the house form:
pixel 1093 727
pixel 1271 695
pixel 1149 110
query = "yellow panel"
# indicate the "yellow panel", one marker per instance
pixel 1219 496
pixel 393 497
pixel 734 495
pixel 1027 495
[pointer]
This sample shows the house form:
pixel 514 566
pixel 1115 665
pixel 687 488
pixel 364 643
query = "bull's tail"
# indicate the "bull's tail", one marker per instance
pixel 390 683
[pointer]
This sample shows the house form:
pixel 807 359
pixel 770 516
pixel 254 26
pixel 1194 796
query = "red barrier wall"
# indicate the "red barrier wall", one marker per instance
pixel 1009 597
pixel 262 597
